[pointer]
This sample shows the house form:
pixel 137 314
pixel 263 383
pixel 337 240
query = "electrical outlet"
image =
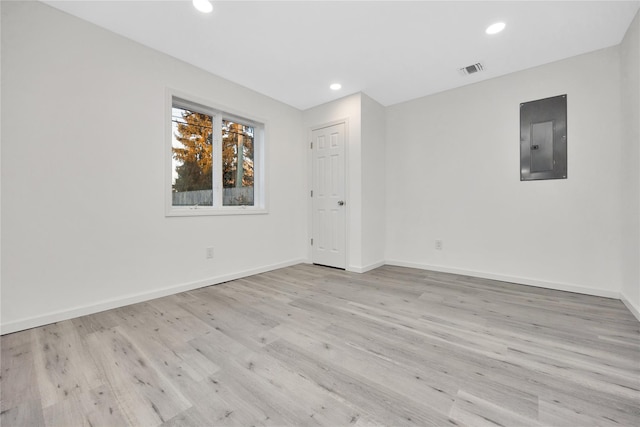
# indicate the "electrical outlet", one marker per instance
pixel 209 253
pixel 438 245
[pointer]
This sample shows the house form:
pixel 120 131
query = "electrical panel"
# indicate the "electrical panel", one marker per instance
pixel 543 139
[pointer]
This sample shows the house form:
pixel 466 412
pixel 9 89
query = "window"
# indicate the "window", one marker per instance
pixel 215 161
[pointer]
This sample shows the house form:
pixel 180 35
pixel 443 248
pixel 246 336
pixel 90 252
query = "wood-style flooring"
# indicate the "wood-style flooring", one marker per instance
pixel 313 346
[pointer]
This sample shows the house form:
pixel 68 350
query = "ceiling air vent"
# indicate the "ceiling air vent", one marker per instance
pixel 471 69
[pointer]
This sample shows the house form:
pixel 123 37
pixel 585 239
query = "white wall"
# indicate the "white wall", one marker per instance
pixel 373 183
pixel 348 110
pixel 453 174
pixel 83 225
pixel 82 207
pixel 1 44
pixel 630 89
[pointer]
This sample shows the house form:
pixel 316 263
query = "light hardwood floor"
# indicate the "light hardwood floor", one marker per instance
pixel 308 345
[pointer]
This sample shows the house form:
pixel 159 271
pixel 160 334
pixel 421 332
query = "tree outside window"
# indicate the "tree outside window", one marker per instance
pixel 194 159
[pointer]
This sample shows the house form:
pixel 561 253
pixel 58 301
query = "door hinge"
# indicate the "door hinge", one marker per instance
pixel 311 242
pixel 311 193
pixel 311 145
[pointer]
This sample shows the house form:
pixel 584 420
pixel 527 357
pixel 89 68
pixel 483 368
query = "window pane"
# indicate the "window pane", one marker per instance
pixel 192 158
pixel 237 163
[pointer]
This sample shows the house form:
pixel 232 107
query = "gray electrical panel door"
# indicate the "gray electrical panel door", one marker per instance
pixel 543 139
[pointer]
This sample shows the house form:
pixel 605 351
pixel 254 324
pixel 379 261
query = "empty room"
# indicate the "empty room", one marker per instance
pixel 320 213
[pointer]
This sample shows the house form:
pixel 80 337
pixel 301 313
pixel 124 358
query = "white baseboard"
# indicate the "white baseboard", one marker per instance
pixel 58 316
pixel 635 310
pixel 512 279
pixel 355 269
pixel 366 267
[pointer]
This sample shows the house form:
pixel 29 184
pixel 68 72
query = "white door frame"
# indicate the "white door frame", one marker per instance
pixel 345 122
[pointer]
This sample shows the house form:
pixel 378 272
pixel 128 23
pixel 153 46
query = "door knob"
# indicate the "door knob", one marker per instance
pixel 340 203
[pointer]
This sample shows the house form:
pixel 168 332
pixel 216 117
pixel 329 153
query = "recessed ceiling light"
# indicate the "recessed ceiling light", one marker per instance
pixel 203 6
pixel 335 86
pixel 495 28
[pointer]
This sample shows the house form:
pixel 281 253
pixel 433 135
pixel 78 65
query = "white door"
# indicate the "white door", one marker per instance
pixel 329 210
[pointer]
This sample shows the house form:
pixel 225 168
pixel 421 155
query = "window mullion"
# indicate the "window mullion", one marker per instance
pixel 217 160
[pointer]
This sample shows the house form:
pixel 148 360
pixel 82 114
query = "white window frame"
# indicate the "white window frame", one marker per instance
pixel 218 113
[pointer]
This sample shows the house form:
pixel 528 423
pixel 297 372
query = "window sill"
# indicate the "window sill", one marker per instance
pixel 208 211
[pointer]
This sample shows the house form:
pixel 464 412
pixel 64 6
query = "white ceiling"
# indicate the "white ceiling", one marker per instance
pixel 393 51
